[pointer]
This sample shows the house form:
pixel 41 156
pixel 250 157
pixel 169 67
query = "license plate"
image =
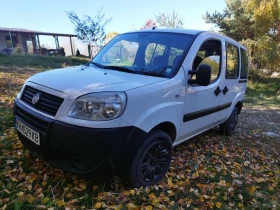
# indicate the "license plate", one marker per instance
pixel 28 132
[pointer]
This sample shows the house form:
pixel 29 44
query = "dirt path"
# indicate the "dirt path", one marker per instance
pixel 257 121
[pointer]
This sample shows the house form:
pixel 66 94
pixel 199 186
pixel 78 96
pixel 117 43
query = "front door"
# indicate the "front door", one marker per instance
pixel 202 102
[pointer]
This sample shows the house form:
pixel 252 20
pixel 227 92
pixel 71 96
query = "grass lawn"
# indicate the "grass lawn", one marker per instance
pixel 209 171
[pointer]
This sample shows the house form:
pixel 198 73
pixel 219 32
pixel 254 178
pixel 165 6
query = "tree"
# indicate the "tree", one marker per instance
pixel 235 21
pixel 110 36
pixel 266 17
pixel 90 30
pixel 149 24
pixel 172 20
pixel 255 23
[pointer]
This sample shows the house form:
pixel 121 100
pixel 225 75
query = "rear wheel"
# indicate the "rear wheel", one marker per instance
pixel 152 160
pixel 228 127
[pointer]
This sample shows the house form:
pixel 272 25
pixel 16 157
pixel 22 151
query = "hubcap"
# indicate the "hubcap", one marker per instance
pixel 154 162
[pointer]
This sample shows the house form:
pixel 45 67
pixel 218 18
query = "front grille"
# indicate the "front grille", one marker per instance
pixel 47 103
pixel 32 120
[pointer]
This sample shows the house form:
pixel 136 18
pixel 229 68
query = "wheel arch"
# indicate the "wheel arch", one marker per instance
pixel 167 127
pixel 239 105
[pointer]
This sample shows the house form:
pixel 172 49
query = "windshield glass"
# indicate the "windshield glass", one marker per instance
pixel 150 53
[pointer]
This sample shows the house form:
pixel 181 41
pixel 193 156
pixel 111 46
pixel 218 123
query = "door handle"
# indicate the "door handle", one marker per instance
pixel 225 90
pixel 217 91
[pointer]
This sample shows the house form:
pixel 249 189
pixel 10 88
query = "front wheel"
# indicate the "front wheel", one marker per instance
pixel 228 127
pixel 152 160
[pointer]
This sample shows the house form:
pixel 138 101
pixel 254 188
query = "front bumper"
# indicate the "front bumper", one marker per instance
pixel 78 149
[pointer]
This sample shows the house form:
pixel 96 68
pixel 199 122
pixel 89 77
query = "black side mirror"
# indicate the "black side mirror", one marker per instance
pixel 203 75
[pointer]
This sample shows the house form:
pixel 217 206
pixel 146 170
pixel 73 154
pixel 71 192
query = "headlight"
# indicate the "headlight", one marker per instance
pixel 99 106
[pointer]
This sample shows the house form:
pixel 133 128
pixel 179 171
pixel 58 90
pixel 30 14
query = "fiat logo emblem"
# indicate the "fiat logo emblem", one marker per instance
pixel 36 98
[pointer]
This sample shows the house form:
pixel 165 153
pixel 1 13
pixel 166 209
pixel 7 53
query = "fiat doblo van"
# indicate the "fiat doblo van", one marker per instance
pixel 144 93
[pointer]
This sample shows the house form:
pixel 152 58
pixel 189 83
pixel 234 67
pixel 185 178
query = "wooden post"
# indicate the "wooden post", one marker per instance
pixel 11 40
pixel 71 46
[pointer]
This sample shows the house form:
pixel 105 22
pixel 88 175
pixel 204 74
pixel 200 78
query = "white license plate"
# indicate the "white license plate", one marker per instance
pixel 28 132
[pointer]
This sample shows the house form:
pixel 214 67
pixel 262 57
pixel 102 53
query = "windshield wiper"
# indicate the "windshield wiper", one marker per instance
pixel 120 68
pixel 97 64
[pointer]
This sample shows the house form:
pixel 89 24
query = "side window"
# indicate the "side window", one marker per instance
pixel 209 53
pixel 153 50
pixel 244 64
pixel 232 62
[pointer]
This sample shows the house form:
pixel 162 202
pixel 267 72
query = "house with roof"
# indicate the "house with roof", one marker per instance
pixel 10 38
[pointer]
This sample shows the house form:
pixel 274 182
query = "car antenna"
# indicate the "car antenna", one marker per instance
pixel 154 28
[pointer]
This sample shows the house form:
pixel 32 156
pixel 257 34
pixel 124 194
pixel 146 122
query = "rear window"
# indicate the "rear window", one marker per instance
pixel 244 64
pixel 232 62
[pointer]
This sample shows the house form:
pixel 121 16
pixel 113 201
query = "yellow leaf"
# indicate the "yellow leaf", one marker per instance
pixel 46 200
pixel 222 183
pixel 14 180
pixel 170 192
pixel 29 187
pixel 172 203
pixel 131 206
pixel 195 175
pixel 149 207
pixel 30 199
pixel 20 194
pixel 98 205
pixel 7 191
pixel 218 205
pixel 60 203
pixel 132 192
pixel 155 202
pixel 259 180
pixel 147 190
pixel 69 195
pixel 82 186
pixel 95 187
pixel 246 163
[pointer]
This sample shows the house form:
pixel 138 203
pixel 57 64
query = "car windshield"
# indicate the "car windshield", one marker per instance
pixel 148 53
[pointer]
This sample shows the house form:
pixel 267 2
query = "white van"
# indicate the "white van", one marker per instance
pixel 142 94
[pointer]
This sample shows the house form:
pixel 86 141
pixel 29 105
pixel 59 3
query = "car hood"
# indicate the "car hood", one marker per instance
pixel 80 80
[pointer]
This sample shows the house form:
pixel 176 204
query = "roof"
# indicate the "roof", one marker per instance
pixel 27 31
pixel 173 30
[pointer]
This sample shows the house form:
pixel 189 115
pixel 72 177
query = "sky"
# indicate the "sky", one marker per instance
pixel 50 16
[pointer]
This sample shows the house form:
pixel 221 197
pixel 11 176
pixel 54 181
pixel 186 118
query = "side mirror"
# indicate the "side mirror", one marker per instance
pixel 203 75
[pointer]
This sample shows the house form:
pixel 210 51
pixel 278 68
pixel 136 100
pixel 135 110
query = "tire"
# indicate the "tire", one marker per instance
pixel 228 127
pixel 152 160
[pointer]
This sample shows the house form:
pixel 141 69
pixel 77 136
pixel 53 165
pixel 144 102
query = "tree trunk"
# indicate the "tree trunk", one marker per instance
pixel 89 51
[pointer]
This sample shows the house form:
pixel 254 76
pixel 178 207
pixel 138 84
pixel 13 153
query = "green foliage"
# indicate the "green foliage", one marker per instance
pixel 41 62
pixel 172 20
pixel 255 23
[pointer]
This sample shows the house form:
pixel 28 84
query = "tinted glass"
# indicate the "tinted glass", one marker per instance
pixel 209 53
pixel 232 62
pixel 244 64
pixel 145 52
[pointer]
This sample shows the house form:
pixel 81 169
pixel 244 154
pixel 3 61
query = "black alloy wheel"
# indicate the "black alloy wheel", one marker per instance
pixel 152 160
